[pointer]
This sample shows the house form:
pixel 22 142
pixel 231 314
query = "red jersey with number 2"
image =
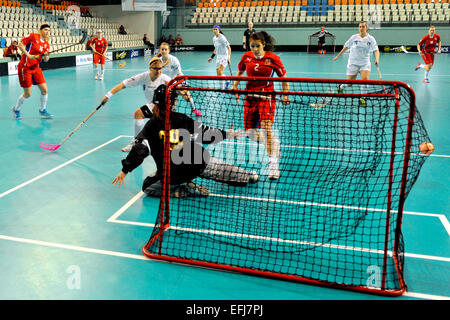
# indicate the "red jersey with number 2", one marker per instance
pixel 266 66
pixel 429 44
pixel 100 45
pixel 34 45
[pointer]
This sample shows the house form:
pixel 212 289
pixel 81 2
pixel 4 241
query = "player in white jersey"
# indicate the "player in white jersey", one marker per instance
pixel 361 45
pixel 172 68
pixel 222 50
pixel 149 80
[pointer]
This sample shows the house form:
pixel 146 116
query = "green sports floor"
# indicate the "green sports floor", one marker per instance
pixel 67 233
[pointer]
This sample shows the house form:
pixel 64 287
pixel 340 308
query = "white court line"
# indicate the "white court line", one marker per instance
pixel 340 149
pixel 139 195
pixel 144 258
pixel 58 167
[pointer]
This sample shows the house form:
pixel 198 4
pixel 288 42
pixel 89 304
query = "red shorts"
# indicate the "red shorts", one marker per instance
pixel 29 77
pixel 99 59
pixel 428 57
pixel 257 110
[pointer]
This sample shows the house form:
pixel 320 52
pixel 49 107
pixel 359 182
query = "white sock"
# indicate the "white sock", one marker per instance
pixel 191 101
pixel 44 99
pixel 426 74
pixel 19 103
pixel 102 72
pixel 138 126
pixel 273 160
pixel 422 65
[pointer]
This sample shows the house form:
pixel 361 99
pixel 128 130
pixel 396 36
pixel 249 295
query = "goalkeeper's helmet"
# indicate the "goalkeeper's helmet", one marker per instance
pixel 159 97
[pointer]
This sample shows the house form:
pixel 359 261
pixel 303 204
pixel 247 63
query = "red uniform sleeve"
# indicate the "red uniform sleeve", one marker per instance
pixel 422 41
pixel 241 65
pixel 278 65
pixel 27 40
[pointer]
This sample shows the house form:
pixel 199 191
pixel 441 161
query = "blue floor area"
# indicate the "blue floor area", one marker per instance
pixel 67 233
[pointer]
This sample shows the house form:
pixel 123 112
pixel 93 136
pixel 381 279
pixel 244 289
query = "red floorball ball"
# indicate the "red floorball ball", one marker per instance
pixel 426 148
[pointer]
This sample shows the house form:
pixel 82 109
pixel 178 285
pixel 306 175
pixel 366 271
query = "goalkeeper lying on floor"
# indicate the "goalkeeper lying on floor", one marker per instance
pixel 188 157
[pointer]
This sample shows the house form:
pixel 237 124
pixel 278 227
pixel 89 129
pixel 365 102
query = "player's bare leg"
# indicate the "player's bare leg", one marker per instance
pixel 187 97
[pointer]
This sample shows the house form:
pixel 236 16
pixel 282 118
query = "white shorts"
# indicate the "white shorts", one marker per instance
pixel 353 69
pixel 221 61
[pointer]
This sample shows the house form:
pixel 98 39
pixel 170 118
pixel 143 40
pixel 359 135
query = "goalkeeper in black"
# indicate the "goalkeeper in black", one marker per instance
pixel 321 39
pixel 188 157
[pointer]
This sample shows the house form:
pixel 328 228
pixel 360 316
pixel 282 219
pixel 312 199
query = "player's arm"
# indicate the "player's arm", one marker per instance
pixel 212 56
pixel 377 57
pixel 439 46
pixel 229 53
pixel 285 87
pixel 112 92
pixel 21 47
pixel 106 48
pixel 134 159
pixel 340 53
pixel 419 46
pixel 243 42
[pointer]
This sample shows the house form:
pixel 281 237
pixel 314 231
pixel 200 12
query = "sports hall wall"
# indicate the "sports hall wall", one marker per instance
pixel 138 22
pixel 292 36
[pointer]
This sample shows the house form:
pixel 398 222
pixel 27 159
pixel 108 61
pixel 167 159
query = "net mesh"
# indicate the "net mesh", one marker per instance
pixel 334 215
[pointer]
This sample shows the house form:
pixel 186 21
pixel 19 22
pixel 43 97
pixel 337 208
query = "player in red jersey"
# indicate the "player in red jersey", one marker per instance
pixel 35 49
pixel 426 48
pixel 259 109
pixel 99 46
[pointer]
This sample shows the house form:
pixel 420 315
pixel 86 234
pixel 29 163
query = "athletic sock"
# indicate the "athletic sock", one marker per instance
pixel 44 99
pixel 19 103
pixel 426 74
pixel 191 101
pixel 138 126
pixel 102 72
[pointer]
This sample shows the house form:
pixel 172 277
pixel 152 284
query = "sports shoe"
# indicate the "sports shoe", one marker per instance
pixel 128 147
pixel 274 172
pixel 254 177
pixel 418 66
pixel 190 190
pixel 45 114
pixel 426 80
pixel 362 102
pixel 16 113
pixel 340 89
pixel 197 112
pixel 101 77
pixel 96 76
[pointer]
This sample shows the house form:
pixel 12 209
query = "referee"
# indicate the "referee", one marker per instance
pixel 247 34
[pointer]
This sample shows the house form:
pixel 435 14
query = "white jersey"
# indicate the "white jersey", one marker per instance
pixel 221 45
pixel 360 49
pixel 172 67
pixel 144 80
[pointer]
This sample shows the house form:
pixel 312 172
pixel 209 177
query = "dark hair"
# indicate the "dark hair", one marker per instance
pixel 44 26
pixel 263 36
